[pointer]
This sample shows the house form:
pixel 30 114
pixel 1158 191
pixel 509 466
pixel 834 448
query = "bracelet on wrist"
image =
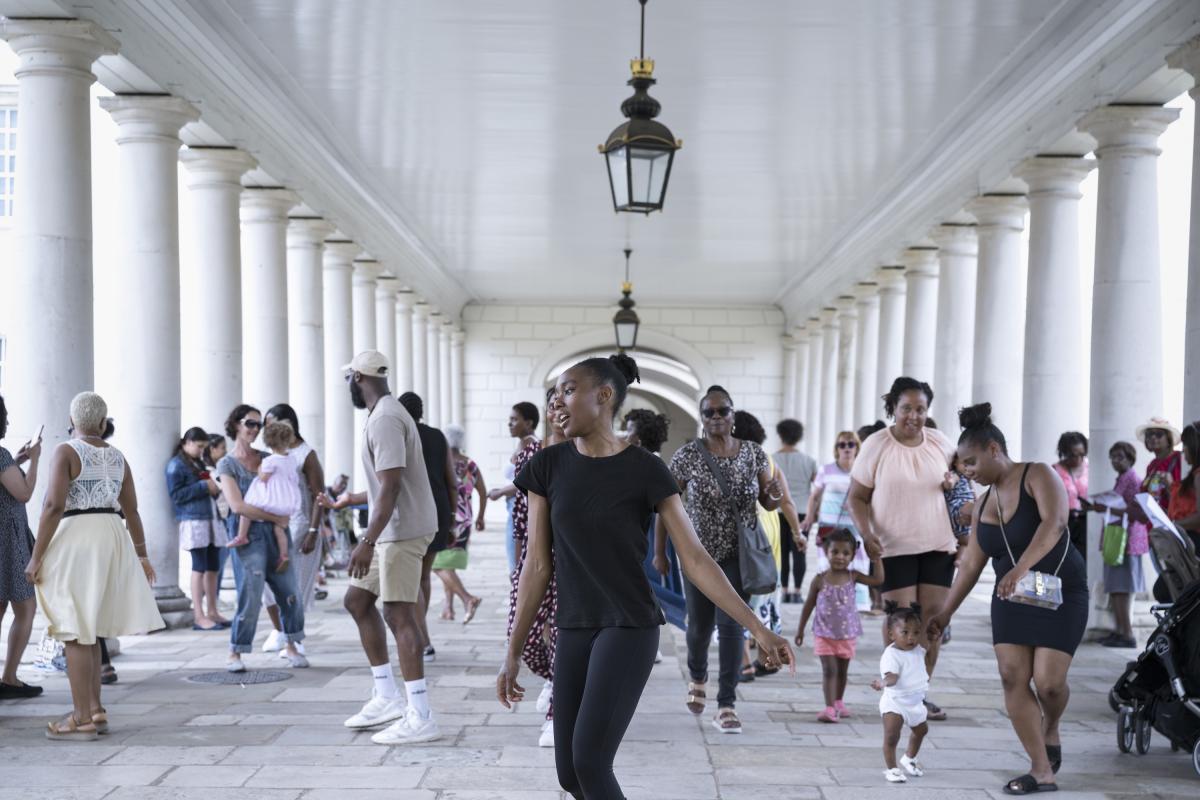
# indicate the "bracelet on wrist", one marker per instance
pixel 312 530
pixel 367 542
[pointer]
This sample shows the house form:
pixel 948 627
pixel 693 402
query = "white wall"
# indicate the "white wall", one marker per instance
pixel 508 347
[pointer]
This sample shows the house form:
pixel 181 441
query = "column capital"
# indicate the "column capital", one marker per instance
pixel 1127 129
pixel 215 166
pixel 262 204
pixel 405 300
pixel 999 211
pixel 847 306
pixel 420 311
pixel 799 335
pixel 434 320
pixel 457 337
pixel 385 288
pixel 149 118
pixel 366 271
pixel 890 279
pixel 956 240
pixel 921 262
pixel 788 342
pixel 307 231
pixel 813 327
pixel 866 293
pixel 57 46
pixel 1187 58
pixel 340 253
pixel 829 315
pixel 1055 176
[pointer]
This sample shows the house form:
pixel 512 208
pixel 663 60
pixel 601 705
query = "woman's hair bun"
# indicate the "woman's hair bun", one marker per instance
pixel 627 367
pixel 976 416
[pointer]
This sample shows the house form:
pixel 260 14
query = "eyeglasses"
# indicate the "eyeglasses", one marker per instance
pixel 1155 432
pixel 723 411
pixel 846 446
pixel 252 424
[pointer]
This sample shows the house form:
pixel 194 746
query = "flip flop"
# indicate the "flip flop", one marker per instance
pixel 1027 784
pixel 472 607
pixel 1054 754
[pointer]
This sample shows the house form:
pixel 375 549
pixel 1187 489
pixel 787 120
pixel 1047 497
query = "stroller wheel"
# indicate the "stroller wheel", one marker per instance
pixel 1125 730
pixel 1196 757
pixel 1142 731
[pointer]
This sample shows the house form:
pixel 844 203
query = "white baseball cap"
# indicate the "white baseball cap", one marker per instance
pixel 369 362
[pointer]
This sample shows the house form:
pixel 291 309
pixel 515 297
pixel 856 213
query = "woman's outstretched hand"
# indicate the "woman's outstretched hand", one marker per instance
pixel 774 650
pixel 508 691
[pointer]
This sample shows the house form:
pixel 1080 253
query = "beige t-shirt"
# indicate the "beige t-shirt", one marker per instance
pixel 391 441
pixel 908 508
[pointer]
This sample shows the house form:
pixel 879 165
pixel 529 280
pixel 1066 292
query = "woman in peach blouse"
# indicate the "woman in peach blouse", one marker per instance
pixel 897 504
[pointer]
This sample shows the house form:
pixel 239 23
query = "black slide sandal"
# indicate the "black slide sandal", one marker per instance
pixel 1027 784
pixel 1054 755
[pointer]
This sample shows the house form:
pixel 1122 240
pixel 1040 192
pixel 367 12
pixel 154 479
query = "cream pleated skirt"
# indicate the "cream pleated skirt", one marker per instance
pixel 91 583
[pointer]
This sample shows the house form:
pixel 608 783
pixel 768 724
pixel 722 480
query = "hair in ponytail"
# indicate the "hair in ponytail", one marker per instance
pixel 192 434
pixel 618 371
pixel 978 428
pixel 897 615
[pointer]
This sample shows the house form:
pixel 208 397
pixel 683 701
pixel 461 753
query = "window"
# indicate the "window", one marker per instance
pixel 8 159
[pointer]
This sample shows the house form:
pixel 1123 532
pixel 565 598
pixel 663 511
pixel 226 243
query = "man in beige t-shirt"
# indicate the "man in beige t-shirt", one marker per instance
pixel 386 562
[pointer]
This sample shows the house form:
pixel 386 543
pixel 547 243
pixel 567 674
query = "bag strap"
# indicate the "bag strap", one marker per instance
pixel 1004 534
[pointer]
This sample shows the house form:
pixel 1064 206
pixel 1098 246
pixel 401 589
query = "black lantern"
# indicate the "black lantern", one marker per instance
pixel 625 321
pixel 639 153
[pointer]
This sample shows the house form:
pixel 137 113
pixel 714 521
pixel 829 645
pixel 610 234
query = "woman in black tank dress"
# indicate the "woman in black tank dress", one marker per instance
pixel 1026 505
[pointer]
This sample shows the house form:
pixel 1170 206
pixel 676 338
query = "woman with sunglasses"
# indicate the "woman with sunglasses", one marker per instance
pixel 251 561
pixel 746 471
pixel 828 507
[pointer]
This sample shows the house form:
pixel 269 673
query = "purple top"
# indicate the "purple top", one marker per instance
pixel 1128 485
pixel 836 615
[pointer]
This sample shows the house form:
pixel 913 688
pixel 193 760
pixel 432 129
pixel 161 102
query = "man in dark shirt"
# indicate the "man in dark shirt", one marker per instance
pixel 445 496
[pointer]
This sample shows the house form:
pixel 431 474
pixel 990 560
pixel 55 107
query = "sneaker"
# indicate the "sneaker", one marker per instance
pixel 658 659
pixel 274 642
pixel 545 697
pixel 409 729
pixel 235 666
pixel 299 649
pixel 430 655
pixel 912 766
pixel 297 661
pixel 894 775
pixel 546 739
pixel 378 711
pixel 828 715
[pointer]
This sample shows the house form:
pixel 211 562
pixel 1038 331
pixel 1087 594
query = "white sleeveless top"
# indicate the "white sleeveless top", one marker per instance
pixel 100 477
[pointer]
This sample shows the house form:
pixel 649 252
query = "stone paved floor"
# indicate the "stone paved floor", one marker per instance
pixel 175 740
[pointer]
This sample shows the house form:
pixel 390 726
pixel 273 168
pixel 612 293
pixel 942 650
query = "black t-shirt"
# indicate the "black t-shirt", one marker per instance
pixel 436 452
pixel 600 509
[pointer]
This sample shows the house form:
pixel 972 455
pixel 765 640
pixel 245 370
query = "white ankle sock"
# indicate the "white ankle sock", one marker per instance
pixel 418 698
pixel 385 681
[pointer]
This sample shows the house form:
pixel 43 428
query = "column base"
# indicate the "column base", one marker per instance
pixel 175 608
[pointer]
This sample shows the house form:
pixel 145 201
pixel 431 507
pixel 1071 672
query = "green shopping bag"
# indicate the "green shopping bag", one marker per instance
pixel 1113 543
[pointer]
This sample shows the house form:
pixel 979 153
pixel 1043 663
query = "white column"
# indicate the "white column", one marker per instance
pixel 788 345
pixel 1055 393
pixel 457 338
pixel 800 340
pixel 866 366
pixel 1000 312
pixel 146 389
pixel 420 350
pixel 211 286
pixel 433 370
pixel 920 313
pixel 264 293
pixel 340 455
pixel 445 401
pixel 1126 363
pixel 830 345
pixel 812 423
pixel 1187 58
pixel 847 361
pixel 385 324
pixel 366 274
pixel 306 331
pixel 47 290
pixel 404 341
pixel 957 253
pixel 893 290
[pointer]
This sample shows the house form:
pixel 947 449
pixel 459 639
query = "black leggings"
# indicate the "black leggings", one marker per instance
pixel 798 562
pixel 703 616
pixel 599 675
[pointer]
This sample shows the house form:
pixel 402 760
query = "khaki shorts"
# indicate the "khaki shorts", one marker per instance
pixel 395 572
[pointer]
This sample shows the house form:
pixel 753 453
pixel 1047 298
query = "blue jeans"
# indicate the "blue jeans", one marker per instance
pixel 254 566
pixel 510 544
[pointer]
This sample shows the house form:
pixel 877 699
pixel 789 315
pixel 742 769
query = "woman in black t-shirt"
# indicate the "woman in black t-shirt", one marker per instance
pixel 594 495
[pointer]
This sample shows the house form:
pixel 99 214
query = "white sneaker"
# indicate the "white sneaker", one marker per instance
pixel 409 729
pixel 547 737
pixel 658 657
pixel 894 775
pixel 429 655
pixel 912 766
pixel 274 642
pixel 235 666
pixel 378 711
pixel 545 697
pixel 299 648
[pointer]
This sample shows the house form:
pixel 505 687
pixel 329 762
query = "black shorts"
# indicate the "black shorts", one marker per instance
pixel 206 559
pixel 901 572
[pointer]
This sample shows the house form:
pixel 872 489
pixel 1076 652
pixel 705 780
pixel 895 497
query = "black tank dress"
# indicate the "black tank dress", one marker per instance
pixel 1018 623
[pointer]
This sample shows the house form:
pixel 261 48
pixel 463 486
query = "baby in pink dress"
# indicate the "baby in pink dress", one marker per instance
pixel 276 490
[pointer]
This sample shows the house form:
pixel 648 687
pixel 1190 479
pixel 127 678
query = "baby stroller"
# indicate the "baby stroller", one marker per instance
pixel 1161 689
pixel 1175 559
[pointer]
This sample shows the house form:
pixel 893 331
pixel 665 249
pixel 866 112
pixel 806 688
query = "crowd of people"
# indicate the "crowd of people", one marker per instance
pixel 606 542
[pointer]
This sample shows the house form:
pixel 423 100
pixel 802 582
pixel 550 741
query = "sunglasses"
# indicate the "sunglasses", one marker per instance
pixel 723 411
pixel 846 446
pixel 252 424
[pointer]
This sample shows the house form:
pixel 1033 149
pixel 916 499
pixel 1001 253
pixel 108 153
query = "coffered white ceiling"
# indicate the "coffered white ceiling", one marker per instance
pixel 457 139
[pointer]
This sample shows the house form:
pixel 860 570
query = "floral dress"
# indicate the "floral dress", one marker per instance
pixel 466 472
pixel 538 652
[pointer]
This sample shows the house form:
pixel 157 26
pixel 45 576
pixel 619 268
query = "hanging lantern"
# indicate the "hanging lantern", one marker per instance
pixel 625 321
pixel 640 152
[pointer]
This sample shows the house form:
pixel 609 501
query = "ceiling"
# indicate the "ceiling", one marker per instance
pixel 457 140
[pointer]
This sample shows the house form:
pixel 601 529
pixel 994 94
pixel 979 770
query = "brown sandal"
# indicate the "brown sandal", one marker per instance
pixel 68 729
pixel 100 720
pixel 726 721
pixel 696 698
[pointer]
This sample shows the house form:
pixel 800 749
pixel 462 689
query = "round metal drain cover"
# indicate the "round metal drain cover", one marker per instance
pixel 238 678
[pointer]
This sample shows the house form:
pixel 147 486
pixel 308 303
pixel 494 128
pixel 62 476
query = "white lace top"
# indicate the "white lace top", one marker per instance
pixel 100 477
